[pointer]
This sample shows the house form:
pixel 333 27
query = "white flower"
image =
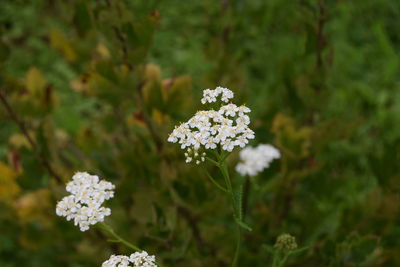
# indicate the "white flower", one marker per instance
pixel 117 261
pixel 255 159
pixel 137 259
pixel 142 259
pixel 83 206
pixel 227 127
pixel 210 96
pixel 229 110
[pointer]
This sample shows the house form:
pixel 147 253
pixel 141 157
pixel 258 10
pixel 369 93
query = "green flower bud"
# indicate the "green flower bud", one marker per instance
pixel 285 242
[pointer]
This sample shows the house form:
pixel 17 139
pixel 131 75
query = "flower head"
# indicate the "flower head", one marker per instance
pixel 116 261
pixel 255 159
pixel 137 259
pixel 210 96
pixel 142 259
pixel 285 242
pixel 227 127
pixel 83 205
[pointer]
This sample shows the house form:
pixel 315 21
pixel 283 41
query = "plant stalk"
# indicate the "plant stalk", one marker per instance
pixel 238 246
pixel 118 238
pixel 236 213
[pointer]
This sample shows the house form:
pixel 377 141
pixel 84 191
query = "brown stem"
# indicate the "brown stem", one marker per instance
pixel 147 121
pixel 121 38
pixel 40 157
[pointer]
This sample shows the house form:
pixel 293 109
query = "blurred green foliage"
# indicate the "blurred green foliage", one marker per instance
pixel 98 85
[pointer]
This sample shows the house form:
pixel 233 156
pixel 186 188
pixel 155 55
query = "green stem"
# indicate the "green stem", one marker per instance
pixel 236 213
pixel 216 183
pixel 105 227
pixel 238 245
pixel 284 259
pixel 224 155
pixel 279 258
pixel 275 260
pixel 212 161
pixel 225 174
pixel 119 239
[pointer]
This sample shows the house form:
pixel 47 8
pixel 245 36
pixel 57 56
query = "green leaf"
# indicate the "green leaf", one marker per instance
pixel 243 224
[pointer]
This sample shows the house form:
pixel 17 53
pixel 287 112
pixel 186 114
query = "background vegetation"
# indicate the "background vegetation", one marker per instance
pixel 97 85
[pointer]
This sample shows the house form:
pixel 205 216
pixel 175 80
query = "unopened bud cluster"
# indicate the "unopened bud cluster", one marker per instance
pixel 194 155
pixel 285 242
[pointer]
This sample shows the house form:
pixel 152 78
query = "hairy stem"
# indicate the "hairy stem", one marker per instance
pixel 236 213
pixel 275 260
pixel 238 245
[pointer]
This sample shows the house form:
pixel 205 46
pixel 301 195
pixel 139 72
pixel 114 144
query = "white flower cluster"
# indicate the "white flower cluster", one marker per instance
pixel 138 259
pixel 255 159
pixel 88 193
pixel 210 96
pixel 227 127
pixel 117 261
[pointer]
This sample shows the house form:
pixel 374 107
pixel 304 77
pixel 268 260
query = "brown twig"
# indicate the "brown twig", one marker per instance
pixel 40 157
pixel 147 121
pixel 122 40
